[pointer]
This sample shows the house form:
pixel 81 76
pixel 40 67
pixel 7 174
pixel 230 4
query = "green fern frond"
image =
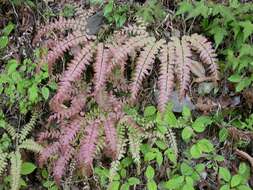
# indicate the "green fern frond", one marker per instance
pixel 16 163
pixel 31 145
pixel 134 144
pixel 3 161
pixel 122 142
pixel 28 127
pixel 171 137
pixel 11 131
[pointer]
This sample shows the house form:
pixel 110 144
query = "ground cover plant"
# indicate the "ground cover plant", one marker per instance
pixel 123 95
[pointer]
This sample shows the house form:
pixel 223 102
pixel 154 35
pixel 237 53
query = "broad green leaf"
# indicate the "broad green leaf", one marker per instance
pixel 45 93
pixel 27 168
pixel 3 41
pixel 7 30
pixel 169 117
pixel 219 34
pixel 243 187
pixel 171 155
pixel 247 28
pixel 189 180
pixel 225 187
pixel 224 174
pixel 200 9
pixel 187 133
pixel 149 156
pixel 186 112
pixel 245 82
pixel 188 187
pixel 223 134
pixel 12 66
pixel 235 78
pixel 159 158
pixel 125 186
pixel 236 180
pixel 195 151
pixel 200 123
pixel 186 169
pixel 152 185
pixel 150 172
pixel 242 168
pixel 149 111
pixel 205 145
pixel 160 144
pixel 108 8
pixel 133 181
pixel 184 7
pixel 114 185
pixel 175 182
pixel 200 168
pixel 33 93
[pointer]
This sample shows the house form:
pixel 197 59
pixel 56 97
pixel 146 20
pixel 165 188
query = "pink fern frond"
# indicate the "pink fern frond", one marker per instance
pixel 48 152
pixel 166 75
pixel 88 147
pixel 183 63
pixel 72 74
pixel 69 133
pixel 61 164
pixel 144 65
pixel 61 47
pixel 101 67
pixel 111 135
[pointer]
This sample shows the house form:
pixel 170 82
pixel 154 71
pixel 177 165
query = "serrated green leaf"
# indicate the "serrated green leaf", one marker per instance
pixel 45 93
pixel 152 185
pixel 186 169
pixel 33 93
pixel 3 41
pixel 205 145
pixel 174 183
pixel 236 180
pixel 187 133
pixel 247 28
pixel 133 181
pixel 149 111
pixel 235 78
pixel 224 174
pixel 195 152
pixel 225 187
pixel 150 172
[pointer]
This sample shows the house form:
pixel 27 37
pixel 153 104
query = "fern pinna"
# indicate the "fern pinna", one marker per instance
pixel 86 111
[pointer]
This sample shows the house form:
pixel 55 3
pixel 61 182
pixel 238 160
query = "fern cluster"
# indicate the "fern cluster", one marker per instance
pixel 79 131
pixel 20 141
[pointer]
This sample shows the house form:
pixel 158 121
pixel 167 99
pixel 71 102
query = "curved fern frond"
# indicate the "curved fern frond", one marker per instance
pixel 31 145
pixel 61 47
pixel 166 75
pixel 207 53
pixel 28 127
pixel 48 152
pixel 3 161
pixel 183 64
pixel 144 65
pixel 11 131
pixel 88 147
pixel 101 67
pixel 60 164
pixel 111 136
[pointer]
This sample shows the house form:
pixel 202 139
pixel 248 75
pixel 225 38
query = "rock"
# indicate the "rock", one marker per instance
pixel 178 105
pixel 94 23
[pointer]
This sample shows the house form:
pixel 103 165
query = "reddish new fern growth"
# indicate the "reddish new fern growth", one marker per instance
pixel 88 147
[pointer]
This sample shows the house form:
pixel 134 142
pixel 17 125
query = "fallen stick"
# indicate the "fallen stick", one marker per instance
pixel 245 156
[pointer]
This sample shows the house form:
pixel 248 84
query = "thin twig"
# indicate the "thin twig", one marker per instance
pixel 245 156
